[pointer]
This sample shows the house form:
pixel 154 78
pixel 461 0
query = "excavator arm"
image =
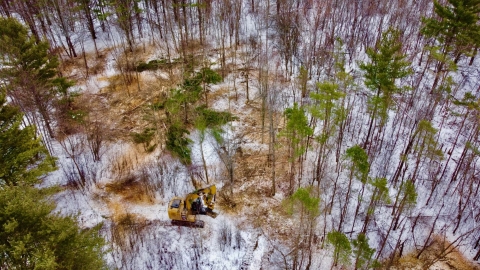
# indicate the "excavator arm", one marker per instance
pixel 209 196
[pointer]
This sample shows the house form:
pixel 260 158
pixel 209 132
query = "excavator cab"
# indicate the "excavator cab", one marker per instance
pixel 198 207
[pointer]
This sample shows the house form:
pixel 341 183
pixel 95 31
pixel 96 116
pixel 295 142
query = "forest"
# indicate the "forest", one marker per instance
pixel 340 134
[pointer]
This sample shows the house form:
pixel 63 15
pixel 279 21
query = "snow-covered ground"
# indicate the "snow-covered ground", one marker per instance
pixel 128 190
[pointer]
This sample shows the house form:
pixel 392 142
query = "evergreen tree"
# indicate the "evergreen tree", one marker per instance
pixel 362 251
pixel 359 162
pixel 30 73
pixel 207 76
pixel 325 109
pixel 341 247
pixel 33 237
pixel 379 194
pixel 426 145
pixel 456 32
pixel 296 131
pixel 178 143
pixel 23 159
pixel 406 199
pixel 387 64
pixel 456 26
pixel 305 204
pixel 359 167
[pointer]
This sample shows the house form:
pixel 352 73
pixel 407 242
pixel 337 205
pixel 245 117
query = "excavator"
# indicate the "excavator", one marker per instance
pixel 183 212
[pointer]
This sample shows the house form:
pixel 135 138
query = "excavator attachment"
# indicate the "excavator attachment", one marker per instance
pixel 212 214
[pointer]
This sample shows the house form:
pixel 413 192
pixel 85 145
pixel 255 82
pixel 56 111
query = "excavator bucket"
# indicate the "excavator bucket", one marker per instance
pixel 212 214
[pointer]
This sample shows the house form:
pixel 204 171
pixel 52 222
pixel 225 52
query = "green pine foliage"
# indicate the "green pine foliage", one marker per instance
pixel 145 138
pixel 178 143
pixel 380 193
pixel 181 102
pixel 26 61
pixel 154 65
pixel 306 200
pixel 387 65
pixel 33 237
pixel 208 76
pixel 325 108
pixel 296 129
pixel 456 25
pixel 302 80
pixel 325 97
pixel 174 106
pixel 21 54
pixel 359 159
pixel 408 193
pixel 362 252
pixel 211 118
pixel 341 247
pixel 30 74
pixel 192 89
pixel 23 158
pixel 426 144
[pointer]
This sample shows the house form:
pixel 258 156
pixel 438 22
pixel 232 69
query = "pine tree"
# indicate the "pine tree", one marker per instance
pixel 426 145
pixel 23 159
pixel 30 73
pixel 341 248
pixel 305 204
pixel 379 194
pixel 325 109
pixel 296 131
pixel 207 76
pixel 362 252
pixel 456 26
pixel 406 199
pixel 360 167
pixel 387 65
pixel 33 237
pixel 359 162
pixel 456 32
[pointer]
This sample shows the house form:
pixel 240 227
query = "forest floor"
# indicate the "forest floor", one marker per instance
pixel 121 197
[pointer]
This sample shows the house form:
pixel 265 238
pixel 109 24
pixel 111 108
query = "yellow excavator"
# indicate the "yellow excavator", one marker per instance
pixel 200 202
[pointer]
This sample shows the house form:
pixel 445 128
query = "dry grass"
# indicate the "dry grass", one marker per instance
pixel 132 189
pixel 123 100
pixel 124 225
pixel 434 258
pixel 76 68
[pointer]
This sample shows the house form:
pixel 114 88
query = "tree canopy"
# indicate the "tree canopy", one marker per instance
pixel 32 236
pixel 23 158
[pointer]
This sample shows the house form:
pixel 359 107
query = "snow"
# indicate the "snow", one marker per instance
pixel 153 243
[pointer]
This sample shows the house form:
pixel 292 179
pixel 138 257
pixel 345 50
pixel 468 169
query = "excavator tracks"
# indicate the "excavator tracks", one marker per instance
pixel 196 224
